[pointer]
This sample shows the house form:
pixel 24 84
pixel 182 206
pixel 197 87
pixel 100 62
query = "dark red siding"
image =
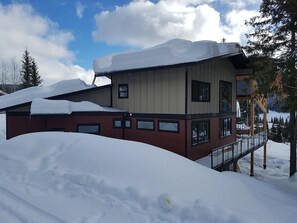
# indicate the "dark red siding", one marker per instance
pixel 199 151
pixel 172 141
pixel 21 123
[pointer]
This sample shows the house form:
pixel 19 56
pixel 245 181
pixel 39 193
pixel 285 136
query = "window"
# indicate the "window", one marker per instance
pixel 200 91
pixel 225 127
pixel 225 96
pixel 89 128
pixel 143 124
pixel 200 132
pixel 167 126
pixel 117 123
pixel 128 124
pixel 123 90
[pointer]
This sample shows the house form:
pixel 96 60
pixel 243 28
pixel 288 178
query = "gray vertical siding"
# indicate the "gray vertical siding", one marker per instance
pixel 155 91
pixel 212 71
pixel 162 90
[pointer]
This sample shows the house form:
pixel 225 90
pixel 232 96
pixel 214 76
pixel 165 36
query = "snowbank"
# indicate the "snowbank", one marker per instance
pixel 175 51
pixel 28 94
pixel 72 177
pixel 45 106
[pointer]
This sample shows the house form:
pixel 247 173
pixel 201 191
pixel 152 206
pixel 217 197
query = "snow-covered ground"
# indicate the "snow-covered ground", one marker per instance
pixel 277 170
pixel 72 177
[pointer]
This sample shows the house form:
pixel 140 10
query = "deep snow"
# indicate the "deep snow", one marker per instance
pixel 175 51
pixel 45 106
pixel 71 177
pixel 28 94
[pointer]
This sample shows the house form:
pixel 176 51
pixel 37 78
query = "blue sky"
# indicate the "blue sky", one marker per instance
pixel 65 36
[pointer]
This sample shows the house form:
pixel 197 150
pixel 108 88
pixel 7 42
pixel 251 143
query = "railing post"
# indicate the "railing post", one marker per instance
pixel 211 160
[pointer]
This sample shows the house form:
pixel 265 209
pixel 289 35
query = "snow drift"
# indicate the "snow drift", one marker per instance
pixel 72 177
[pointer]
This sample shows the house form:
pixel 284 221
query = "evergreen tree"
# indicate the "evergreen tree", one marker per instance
pixel 26 69
pixel 272 46
pixel 29 72
pixel 35 77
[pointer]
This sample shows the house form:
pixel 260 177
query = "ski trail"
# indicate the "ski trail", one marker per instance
pixel 15 209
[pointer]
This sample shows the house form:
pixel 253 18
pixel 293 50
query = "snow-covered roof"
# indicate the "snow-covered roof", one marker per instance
pixel 42 106
pixel 176 51
pixel 28 94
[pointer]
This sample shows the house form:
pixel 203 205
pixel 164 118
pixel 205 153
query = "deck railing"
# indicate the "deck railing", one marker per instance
pixel 227 154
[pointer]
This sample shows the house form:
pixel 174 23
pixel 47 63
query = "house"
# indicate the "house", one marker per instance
pixel 179 95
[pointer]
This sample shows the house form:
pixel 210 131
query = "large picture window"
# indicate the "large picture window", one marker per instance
pixel 225 96
pixel 200 132
pixel 200 91
pixel 89 128
pixel 123 90
pixel 225 127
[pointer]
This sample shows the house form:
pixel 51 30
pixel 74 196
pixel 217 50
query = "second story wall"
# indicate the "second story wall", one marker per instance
pixel 158 91
pixel 214 73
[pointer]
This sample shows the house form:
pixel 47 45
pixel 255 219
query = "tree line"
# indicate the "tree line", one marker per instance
pixel 17 75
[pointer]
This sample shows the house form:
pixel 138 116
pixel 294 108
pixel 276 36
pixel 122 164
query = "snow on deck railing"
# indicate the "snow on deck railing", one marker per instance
pixel 229 153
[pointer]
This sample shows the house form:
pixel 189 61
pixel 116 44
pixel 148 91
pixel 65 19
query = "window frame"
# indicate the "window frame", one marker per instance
pixel 89 124
pixel 197 90
pixel 145 120
pixel 224 85
pixel 197 122
pixel 116 120
pixel 166 121
pixel 123 91
pixel 225 128
pixel 125 126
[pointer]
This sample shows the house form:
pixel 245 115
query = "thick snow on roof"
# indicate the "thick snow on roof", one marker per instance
pixel 44 106
pixel 28 94
pixel 176 51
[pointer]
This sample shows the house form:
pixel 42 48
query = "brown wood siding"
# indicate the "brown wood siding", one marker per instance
pixel 156 91
pixel 212 71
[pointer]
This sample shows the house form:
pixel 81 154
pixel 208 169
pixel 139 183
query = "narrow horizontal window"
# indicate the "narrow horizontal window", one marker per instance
pixel 89 128
pixel 168 126
pixel 148 125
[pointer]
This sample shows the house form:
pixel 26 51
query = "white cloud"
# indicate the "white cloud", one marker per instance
pixel 80 9
pixel 143 23
pixel 240 4
pixel 44 40
pixel 236 28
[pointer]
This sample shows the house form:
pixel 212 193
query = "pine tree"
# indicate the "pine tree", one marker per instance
pixel 35 77
pixel 29 72
pixel 26 69
pixel 272 46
